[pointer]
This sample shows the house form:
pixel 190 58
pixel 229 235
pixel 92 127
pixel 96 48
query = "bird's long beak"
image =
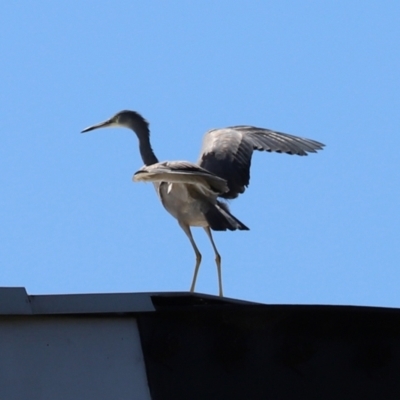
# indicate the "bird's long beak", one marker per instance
pixel 104 124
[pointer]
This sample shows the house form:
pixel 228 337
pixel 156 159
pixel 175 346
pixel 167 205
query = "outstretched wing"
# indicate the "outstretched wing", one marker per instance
pixel 227 152
pixel 181 172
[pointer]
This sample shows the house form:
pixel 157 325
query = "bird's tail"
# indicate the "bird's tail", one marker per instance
pixel 220 219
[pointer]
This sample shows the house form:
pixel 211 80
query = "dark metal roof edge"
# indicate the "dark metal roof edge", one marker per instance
pixel 16 301
pixel 105 303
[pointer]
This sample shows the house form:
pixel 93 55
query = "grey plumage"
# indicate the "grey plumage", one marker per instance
pixel 181 172
pixel 190 192
pixel 227 152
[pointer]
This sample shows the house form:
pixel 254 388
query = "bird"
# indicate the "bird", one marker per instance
pixel 196 194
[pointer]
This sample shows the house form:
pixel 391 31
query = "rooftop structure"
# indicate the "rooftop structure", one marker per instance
pixel 193 346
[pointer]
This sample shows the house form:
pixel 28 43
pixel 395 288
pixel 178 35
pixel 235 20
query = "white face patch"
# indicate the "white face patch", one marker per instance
pixel 169 187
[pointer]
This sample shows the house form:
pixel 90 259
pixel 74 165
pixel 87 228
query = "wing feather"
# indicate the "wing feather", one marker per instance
pixel 227 152
pixel 180 172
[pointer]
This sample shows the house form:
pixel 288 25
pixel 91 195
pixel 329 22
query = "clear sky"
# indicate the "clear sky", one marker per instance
pixel 324 229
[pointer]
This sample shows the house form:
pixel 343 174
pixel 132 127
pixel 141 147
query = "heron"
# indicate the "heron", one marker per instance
pixel 196 193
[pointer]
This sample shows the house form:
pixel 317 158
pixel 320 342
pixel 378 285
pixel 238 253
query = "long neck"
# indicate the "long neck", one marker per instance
pixel 141 127
pixel 146 151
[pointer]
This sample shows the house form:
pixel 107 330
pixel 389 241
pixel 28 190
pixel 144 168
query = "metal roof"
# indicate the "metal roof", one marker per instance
pixel 16 301
pixel 199 346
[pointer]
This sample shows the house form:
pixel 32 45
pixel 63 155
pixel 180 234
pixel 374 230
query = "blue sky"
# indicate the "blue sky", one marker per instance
pixel 324 228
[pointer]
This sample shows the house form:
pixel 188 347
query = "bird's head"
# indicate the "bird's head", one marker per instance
pixel 123 119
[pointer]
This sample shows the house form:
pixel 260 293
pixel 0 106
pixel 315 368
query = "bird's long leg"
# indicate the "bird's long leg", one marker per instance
pixel 217 259
pixel 186 229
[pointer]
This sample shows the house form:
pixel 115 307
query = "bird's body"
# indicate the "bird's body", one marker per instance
pixel 181 201
pixel 192 193
pixel 178 200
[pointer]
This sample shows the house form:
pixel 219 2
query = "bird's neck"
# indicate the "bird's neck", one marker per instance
pixel 147 153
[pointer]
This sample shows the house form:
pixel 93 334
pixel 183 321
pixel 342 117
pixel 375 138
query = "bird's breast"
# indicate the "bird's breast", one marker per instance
pixel 178 201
